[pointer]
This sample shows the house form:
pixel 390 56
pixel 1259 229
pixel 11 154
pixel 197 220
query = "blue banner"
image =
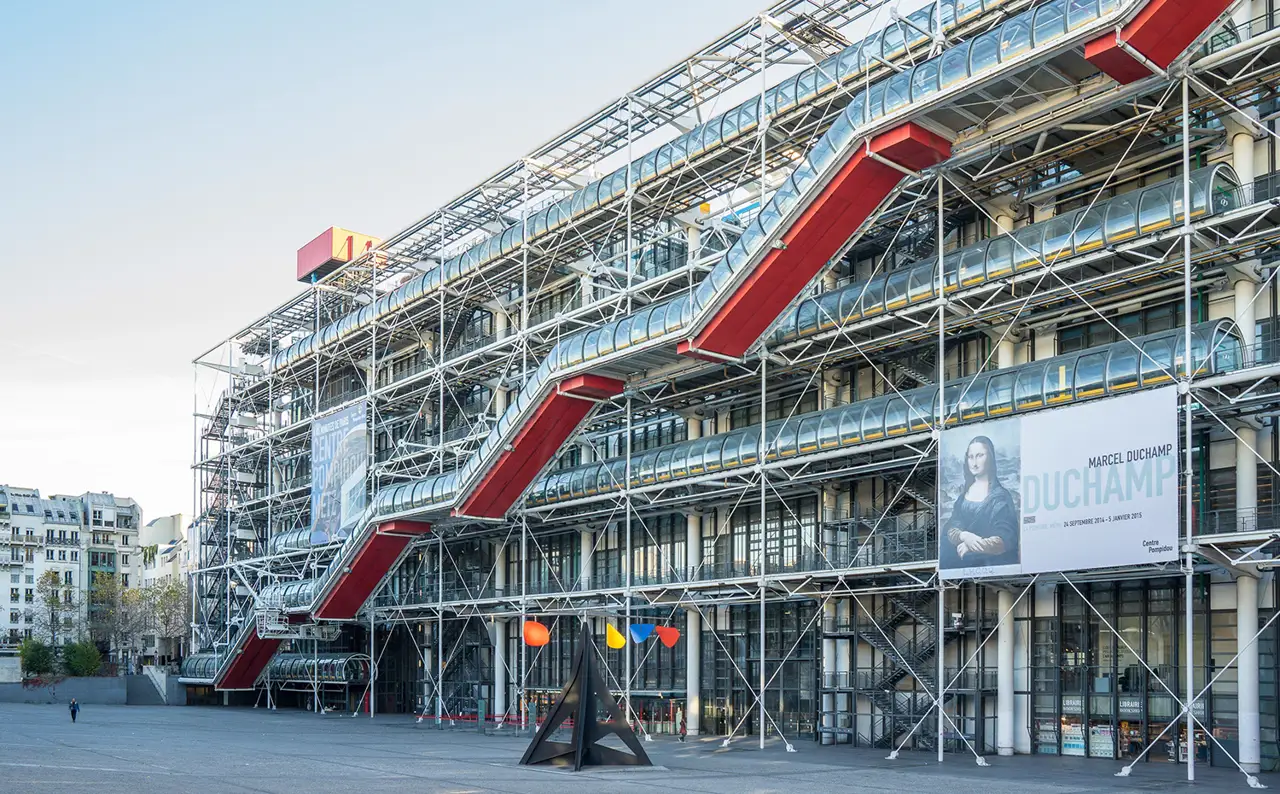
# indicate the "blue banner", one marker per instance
pixel 339 465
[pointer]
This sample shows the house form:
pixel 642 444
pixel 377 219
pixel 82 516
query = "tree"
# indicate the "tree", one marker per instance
pixel 117 614
pixel 81 658
pixel 57 612
pixel 170 604
pixel 37 657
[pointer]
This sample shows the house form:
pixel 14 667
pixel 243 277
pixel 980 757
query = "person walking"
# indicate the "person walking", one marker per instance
pixel 75 709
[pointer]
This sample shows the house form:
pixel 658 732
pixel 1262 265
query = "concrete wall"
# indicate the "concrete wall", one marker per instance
pixel 175 693
pixel 10 670
pixel 89 691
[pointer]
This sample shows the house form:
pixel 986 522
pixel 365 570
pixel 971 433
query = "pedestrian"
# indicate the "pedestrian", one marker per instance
pixel 75 709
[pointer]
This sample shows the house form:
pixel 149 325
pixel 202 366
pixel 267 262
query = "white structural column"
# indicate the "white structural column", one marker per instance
pixel 1244 285
pixel 1004 347
pixel 1004 674
pixel 586 545
pixel 693 239
pixel 501 321
pixel 831 381
pixel 828 670
pixel 501 329
pixel 498 635
pixel 1002 216
pixel 1247 707
pixel 693 618
pixel 1246 315
pixel 1244 279
pixel 693 672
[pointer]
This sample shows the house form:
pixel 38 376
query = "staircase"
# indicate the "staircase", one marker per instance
pixel 905 632
pixel 141 690
pixel 920 486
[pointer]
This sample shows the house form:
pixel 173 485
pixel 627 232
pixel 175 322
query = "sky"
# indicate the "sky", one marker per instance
pixel 162 163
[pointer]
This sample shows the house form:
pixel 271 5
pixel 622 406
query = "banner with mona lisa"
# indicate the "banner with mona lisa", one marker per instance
pixel 1082 487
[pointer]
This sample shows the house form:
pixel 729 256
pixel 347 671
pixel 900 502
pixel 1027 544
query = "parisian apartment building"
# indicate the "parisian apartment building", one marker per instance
pixel 78 537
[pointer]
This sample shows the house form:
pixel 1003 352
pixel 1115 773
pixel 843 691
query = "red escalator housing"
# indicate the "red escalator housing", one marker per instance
pixel 1161 31
pixel 250 660
pixel 847 200
pixel 538 441
pixel 380 551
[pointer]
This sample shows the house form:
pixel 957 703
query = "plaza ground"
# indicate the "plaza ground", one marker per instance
pixel 158 749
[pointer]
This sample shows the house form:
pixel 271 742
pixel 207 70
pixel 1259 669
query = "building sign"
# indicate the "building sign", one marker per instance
pixel 339 463
pixel 1088 486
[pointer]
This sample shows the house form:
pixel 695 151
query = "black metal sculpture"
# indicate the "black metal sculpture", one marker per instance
pixel 582 697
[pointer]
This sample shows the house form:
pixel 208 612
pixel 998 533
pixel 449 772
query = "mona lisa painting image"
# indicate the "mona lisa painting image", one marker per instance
pixel 980 506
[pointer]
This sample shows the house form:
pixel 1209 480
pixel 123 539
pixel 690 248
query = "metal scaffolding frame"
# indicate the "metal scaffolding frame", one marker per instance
pixel 1025 142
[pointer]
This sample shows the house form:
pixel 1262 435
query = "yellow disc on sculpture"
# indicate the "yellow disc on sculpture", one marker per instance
pixel 613 638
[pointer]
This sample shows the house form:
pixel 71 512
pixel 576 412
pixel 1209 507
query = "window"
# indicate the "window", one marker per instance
pixel 1000 395
pixel 124 559
pixel 1090 372
pixel 15 617
pixel 124 580
pixel 48 554
pixel 1132 324
pixel 66 578
pixel 985 52
pixel 31 578
pixel 75 556
pixel 13 594
pixel 30 596
pixel 62 556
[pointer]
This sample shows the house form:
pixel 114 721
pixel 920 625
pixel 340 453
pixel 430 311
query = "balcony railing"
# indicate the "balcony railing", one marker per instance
pixel 1225 522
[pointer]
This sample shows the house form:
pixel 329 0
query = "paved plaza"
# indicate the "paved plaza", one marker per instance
pixel 143 749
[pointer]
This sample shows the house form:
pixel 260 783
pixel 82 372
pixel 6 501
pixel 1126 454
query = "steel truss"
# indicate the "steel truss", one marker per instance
pixel 1025 145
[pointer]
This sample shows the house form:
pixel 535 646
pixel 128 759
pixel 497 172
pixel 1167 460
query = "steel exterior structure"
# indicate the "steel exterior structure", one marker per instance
pixel 778 450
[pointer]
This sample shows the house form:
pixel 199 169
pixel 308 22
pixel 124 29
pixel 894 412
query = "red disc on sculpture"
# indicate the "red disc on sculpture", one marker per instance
pixel 669 635
pixel 536 634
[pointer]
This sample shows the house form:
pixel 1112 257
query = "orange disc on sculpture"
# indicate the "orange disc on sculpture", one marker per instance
pixel 669 635
pixel 536 634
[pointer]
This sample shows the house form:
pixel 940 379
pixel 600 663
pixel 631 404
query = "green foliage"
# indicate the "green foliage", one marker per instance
pixel 37 657
pixel 81 658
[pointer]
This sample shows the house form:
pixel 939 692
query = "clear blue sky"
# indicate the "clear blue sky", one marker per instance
pixel 163 161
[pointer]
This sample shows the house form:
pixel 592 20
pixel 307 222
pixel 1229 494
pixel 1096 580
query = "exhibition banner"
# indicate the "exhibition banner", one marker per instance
pixel 1076 488
pixel 339 463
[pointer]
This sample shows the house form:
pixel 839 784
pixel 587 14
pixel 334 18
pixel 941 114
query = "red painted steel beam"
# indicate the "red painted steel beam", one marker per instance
pixel 537 443
pixel 842 206
pixel 1160 32
pixel 249 662
pixel 380 551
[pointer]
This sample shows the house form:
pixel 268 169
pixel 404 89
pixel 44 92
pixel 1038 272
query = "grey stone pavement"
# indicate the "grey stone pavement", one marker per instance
pixel 142 749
